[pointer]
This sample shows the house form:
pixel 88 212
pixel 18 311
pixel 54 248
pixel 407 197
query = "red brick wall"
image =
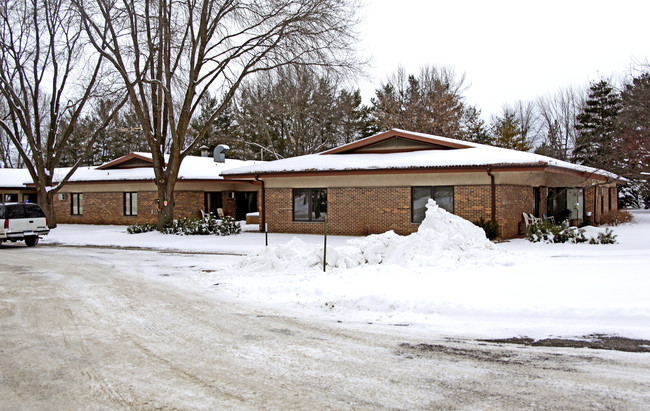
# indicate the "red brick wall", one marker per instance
pixel 359 211
pixel 473 202
pixel 512 202
pixel 108 208
pixel 350 211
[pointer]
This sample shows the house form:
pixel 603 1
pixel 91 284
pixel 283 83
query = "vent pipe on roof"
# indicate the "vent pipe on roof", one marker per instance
pixel 205 150
pixel 220 153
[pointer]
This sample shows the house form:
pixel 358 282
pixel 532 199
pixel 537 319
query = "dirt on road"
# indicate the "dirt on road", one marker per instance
pixel 81 331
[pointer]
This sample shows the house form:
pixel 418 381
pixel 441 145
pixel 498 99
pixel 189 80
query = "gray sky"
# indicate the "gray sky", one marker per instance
pixel 509 50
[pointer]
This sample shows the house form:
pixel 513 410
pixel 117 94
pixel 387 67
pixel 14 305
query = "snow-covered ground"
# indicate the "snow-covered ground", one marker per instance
pixel 445 279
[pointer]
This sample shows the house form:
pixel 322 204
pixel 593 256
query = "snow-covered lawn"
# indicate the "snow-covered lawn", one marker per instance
pixel 444 279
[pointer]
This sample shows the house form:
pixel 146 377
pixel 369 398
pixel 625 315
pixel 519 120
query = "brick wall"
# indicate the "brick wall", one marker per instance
pixel 108 208
pixel 473 202
pixel 360 211
pixel 512 202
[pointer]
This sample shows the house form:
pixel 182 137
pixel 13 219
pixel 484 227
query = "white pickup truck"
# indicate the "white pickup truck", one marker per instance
pixel 22 221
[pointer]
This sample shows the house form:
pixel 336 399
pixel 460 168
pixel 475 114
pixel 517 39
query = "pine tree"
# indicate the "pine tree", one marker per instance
pixel 634 122
pixel 508 133
pixel 598 142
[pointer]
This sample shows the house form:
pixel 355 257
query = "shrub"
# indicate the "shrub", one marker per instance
pixel 138 228
pixel 607 237
pixel 229 226
pixel 616 217
pixel 490 227
pixel 543 231
pixel 191 226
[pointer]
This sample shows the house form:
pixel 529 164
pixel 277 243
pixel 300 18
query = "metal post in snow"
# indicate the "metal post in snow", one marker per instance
pixel 266 234
pixel 325 246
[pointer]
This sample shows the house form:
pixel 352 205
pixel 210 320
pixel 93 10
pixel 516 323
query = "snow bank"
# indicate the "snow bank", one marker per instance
pixel 443 240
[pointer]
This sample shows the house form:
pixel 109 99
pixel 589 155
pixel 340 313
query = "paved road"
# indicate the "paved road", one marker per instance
pixel 83 330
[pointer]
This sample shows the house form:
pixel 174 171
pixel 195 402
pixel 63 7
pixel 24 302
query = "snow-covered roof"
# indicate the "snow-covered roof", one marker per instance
pixel 442 153
pixel 192 168
pixel 14 177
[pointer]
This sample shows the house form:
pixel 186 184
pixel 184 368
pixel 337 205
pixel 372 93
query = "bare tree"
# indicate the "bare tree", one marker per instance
pixel 9 157
pixel 557 122
pixel 47 78
pixel 171 54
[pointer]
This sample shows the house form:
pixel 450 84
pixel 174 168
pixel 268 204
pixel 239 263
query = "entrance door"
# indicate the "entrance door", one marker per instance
pixel 246 202
pixel 575 203
pixel 213 200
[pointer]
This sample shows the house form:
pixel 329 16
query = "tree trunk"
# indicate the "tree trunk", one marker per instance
pixel 165 205
pixel 45 199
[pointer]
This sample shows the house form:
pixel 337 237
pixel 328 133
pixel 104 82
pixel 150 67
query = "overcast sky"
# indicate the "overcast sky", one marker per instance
pixel 509 50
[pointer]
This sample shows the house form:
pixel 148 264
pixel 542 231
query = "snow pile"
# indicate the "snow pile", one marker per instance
pixel 443 240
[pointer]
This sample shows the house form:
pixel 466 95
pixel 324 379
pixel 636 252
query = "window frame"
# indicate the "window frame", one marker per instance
pixel 130 199
pixel 310 205
pixel 431 189
pixel 79 209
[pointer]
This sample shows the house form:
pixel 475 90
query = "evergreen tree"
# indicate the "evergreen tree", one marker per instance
pixel 598 142
pixel 507 132
pixel 296 112
pixel 431 102
pixel 474 128
pixel 634 122
pixel 222 130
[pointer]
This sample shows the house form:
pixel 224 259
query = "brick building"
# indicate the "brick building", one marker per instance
pixel 383 182
pixel 123 191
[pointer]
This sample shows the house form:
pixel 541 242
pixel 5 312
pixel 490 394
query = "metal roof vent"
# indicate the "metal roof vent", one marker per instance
pixel 205 150
pixel 220 153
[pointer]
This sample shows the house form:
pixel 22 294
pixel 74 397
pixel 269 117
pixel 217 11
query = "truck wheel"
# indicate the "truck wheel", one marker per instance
pixel 31 241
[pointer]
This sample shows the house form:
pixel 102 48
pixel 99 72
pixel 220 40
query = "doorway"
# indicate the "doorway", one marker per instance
pixel 246 202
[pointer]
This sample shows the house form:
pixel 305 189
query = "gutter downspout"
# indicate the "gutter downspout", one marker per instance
pixel 493 193
pixel 263 201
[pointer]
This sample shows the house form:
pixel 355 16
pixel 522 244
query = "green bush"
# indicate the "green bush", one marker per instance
pixel 229 226
pixel 490 227
pixel 544 231
pixel 138 228
pixel 607 237
pixel 191 226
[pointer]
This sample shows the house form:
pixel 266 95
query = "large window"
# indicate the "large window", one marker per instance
pixel 76 204
pixel 309 204
pixel 443 196
pixel 130 204
pixel 10 198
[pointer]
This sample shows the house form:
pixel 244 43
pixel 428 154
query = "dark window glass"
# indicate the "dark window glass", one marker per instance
pixel 318 204
pixel 130 204
pixel 10 198
pixel 301 204
pixel 309 204
pixel 14 211
pixel 33 211
pixel 443 196
pixel 76 204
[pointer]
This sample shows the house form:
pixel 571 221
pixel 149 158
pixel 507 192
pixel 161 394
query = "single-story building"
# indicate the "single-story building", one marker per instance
pixel 383 182
pixel 13 188
pixel 123 191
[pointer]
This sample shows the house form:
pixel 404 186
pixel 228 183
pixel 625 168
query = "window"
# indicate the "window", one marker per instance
pixel 10 198
pixel 130 203
pixel 443 196
pixel 76 204
pixel 309 204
